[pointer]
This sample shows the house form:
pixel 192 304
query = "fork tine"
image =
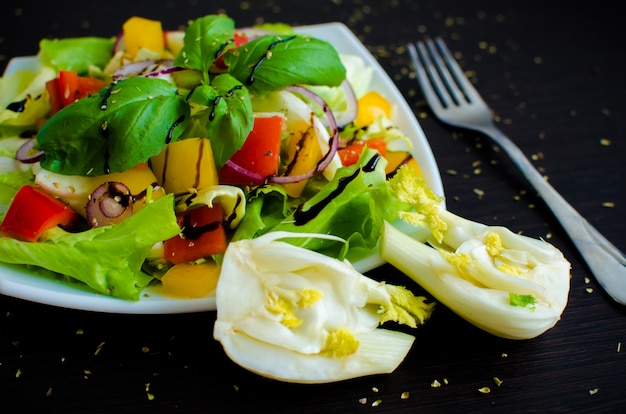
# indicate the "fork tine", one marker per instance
pixel 447 84
pixel 434 98
pixel 466 88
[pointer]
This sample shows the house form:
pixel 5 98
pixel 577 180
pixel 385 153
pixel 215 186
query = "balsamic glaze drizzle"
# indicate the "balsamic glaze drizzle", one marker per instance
pixel 301 216
pixel 168 138
pixel 263 58
pixel 17 106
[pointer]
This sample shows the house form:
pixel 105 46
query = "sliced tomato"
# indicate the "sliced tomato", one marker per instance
pixel 351 153
pixel 260 152
pixel 202 235
pixel 32 212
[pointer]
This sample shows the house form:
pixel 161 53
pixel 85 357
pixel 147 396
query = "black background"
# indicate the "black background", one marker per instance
pixel 554 74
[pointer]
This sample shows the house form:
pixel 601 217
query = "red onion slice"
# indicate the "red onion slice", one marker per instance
pixel 163 71
pixel 119 44
pixel 110 203
pixel 26 154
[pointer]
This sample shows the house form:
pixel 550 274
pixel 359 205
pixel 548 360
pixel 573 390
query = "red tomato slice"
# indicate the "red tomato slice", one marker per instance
pixel 259 153
pixel 32 212
pixel 350 154
pixel 202 235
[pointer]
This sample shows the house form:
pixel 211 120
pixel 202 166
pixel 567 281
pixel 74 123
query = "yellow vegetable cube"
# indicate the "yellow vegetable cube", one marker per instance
pixel 304 153
pixel 185 164
pixel 141 33
pixel 371 106
pixel 191 280
pixel 395 159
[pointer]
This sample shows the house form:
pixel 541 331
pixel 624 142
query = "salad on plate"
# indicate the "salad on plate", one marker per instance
pixel 244 131
pixel 256 170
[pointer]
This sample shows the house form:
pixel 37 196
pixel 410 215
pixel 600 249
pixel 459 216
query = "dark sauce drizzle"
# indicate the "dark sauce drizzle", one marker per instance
pixel 17 106
pixel 218 98
pixel 170 132
pixel 223 47
pixel 104 131
pixel 193 233
pixel 104 105
pixel 233 215
pixel 404 162
pixel 263 58
pixel 302 216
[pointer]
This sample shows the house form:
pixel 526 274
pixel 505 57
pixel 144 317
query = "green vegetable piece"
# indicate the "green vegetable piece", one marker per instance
pixel 525 301
pixel 76 54
pixel 206 39
pixel 507 284
pixel 352 206
pixel 108 259
pixel 114 130
pixel 271 63
pixel 225 109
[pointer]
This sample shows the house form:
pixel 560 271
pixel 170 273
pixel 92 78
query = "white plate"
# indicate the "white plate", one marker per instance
pixel 18 282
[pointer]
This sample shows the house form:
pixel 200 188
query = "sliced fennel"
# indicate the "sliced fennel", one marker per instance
pixel 507 284
pixel 295 315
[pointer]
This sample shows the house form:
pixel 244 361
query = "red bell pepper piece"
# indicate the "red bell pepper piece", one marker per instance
pixel 68 84
pixel 239 39
pixel 68 87
pixel 351 153
pixel 54 92
pixel 202 235
pixel 259 153
pixel 32 212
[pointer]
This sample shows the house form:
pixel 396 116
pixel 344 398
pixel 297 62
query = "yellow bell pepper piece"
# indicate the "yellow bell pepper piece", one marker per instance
pixel 141 33
pixel 303 153
pixel 397 158
pixel 191 280
pixel 185 164
pixel 371 106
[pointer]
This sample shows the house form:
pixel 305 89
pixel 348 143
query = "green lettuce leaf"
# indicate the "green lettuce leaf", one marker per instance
pixel 108 259
pixel 354 206
pixel 76 54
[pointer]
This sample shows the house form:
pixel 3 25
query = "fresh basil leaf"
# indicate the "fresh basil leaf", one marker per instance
pixel 113 130
pixel 233 120
pixel 271 63
pixel 205 40
pixel 227 112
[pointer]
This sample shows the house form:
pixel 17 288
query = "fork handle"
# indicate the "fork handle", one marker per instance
pixel 606 261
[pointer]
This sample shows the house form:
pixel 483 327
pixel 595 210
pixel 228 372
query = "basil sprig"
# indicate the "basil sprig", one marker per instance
pixel 113 130
pixel 141 115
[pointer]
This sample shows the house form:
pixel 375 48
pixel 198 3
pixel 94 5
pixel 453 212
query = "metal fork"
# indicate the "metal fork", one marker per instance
pixel 456 102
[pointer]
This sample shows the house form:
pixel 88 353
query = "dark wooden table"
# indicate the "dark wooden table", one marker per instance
pixel 555 77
